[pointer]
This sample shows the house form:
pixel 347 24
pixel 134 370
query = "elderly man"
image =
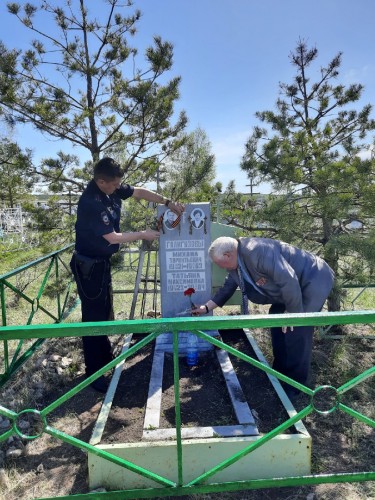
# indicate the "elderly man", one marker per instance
pixel 290 279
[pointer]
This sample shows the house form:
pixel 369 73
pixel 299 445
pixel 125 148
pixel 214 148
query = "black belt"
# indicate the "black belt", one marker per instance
pixel 86 264
pixel 93 260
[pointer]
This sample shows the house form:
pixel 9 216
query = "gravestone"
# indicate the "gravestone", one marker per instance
pixel 184 267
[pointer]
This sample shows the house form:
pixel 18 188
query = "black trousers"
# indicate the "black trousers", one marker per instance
pixel 292 351
pixel 95 292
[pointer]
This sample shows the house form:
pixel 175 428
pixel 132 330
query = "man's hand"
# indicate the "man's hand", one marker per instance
pixel 199 310
pixel 176 207
pixel 150 235
pixel 284 329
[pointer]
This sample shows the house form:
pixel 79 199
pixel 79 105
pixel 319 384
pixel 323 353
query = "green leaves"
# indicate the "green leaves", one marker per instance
pixel 190 171
pixel 17 175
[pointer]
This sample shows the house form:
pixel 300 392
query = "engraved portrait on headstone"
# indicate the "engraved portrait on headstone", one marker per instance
pixel 197 217
pixel 169 219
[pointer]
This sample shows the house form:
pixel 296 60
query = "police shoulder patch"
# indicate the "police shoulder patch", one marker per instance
pixel 105 218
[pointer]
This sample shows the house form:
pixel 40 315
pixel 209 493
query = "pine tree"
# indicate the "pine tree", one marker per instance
pixel 311 150
pixel 79 81
pixel 190 171
pixel 16 174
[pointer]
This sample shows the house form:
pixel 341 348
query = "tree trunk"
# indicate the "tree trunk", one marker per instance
pixel 332 259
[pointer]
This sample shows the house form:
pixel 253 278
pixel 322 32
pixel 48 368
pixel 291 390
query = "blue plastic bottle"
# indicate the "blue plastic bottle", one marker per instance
pixel 192 350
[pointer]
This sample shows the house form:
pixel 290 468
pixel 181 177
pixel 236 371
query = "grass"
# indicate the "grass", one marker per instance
pixel 359 298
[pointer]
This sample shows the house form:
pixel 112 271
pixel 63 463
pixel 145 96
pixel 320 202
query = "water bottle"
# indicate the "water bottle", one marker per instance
pixel 192 350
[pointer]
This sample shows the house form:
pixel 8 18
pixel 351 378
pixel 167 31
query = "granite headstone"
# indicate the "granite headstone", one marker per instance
pixel 185 269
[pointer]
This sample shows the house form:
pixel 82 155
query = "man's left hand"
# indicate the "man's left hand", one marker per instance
pixel 198 310
pixel 284 329
pixel 176 207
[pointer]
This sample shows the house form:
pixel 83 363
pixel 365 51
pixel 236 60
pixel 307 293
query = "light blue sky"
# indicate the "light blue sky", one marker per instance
pixel 232 54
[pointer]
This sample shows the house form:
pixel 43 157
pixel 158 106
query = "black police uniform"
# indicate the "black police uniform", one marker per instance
pixel 97 214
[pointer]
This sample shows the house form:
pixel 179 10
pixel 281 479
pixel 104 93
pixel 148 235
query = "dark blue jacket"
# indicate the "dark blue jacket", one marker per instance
pixel 99 214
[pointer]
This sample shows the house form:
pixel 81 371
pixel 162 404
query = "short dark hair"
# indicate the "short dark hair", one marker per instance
pixel 107 169
pixel 197 211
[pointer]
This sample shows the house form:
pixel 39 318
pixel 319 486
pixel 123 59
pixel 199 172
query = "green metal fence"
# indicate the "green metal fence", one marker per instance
pixel 203 483
pixel 43 285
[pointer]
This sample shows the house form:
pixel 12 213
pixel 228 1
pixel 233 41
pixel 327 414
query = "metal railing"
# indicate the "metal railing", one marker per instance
pixel 48 271
pixel 153 328
pixel 324 331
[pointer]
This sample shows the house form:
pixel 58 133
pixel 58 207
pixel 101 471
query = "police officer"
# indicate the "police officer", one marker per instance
pixel 98 237
pixel 290 279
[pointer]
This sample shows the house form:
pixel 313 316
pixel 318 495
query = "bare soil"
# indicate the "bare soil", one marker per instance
pixel 204 399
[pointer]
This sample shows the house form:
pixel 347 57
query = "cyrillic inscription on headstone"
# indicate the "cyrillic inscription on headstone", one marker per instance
pixel 184 262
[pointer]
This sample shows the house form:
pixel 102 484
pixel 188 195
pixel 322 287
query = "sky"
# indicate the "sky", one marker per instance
pixel 231 56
